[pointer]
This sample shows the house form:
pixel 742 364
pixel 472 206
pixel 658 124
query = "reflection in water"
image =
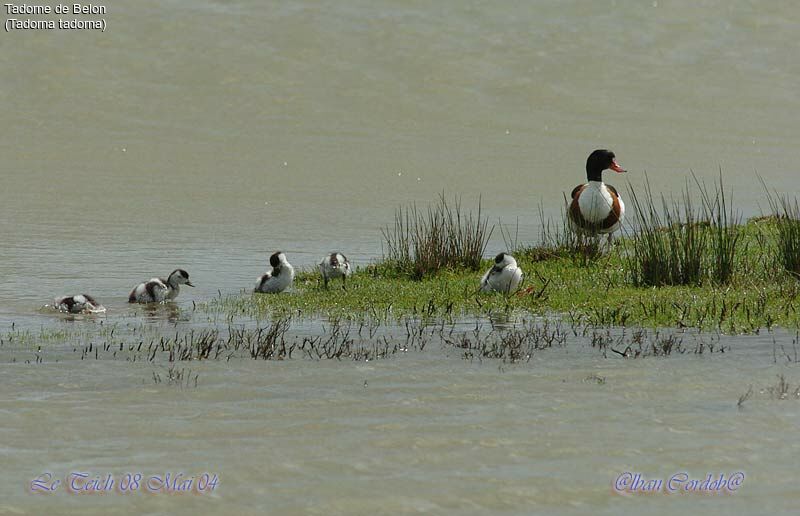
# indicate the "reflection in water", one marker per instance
pixel 87 315
pixel 172 312
pixel 507 319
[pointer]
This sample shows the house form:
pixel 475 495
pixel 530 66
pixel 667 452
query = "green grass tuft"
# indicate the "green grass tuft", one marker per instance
pixel 787 223
pixel 422 243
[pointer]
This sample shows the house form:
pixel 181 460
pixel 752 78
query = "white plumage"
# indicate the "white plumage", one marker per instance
pixel 505 276
pixel 335 265
pixel 596 204
pixel 80 304
pixel 158 290
pixel 278 278
pixel 596 208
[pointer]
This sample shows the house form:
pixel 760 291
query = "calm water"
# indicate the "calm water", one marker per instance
pixel 206 134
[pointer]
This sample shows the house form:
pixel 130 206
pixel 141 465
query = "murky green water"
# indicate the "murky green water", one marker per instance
pixel 205 135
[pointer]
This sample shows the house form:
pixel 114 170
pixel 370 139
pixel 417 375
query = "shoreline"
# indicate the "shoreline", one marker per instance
pixel 597 292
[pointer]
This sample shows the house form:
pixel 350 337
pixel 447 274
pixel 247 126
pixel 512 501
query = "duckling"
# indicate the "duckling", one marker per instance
pixel 505 276
pixel 335 265
pixel 158 290
pixel 278 278
pixel 80 304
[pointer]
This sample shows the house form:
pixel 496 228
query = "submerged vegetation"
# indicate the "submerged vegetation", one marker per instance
pixel 347 339
pixel 781 390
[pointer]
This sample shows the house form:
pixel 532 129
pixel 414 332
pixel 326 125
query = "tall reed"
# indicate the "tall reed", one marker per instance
pixel 668 245
pixel 787 220
pixel 681 244
pixel 725 228
pixel 421 243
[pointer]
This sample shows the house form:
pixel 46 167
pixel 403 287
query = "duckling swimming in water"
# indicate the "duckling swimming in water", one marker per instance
pixel 335 265
pixel 278 278
pixel 158 290
pixel 79 304
pixel 505 276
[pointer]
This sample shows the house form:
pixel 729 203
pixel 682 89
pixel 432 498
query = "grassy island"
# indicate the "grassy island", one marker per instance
pixel 680 267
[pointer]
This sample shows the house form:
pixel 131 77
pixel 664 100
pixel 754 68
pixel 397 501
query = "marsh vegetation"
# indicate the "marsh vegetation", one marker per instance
pixel 421 243
pixel 685 262
pixel 508 340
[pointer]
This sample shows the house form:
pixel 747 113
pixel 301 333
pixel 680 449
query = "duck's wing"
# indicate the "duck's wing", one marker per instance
pixel 90 299
pixel 262 279
pixel 87 304
pixel 520 278
pixel 485 280
pixel 574 209
pixel 491 274
pixel 156 288
pixel 132 295
pixel 65 303
pixel 612 190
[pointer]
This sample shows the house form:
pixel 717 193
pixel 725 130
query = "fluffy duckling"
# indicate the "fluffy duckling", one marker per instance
pixel 80 304
pixel 505 276
pixel 335 265
pixel 278 278
pixel 596 208
pixel 158 290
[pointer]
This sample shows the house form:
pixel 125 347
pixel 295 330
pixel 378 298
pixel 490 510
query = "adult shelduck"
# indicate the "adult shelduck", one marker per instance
pixel 80 304
pixel 504 276
pixel 158 290
pixel 278 278
pixel 335 265
pixel 596 207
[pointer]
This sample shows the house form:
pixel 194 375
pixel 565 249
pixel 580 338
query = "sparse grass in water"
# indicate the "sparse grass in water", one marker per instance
pixel 510 341
pixel 510 345
pixel 177 377
pixel 782 390
pixel 659 343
